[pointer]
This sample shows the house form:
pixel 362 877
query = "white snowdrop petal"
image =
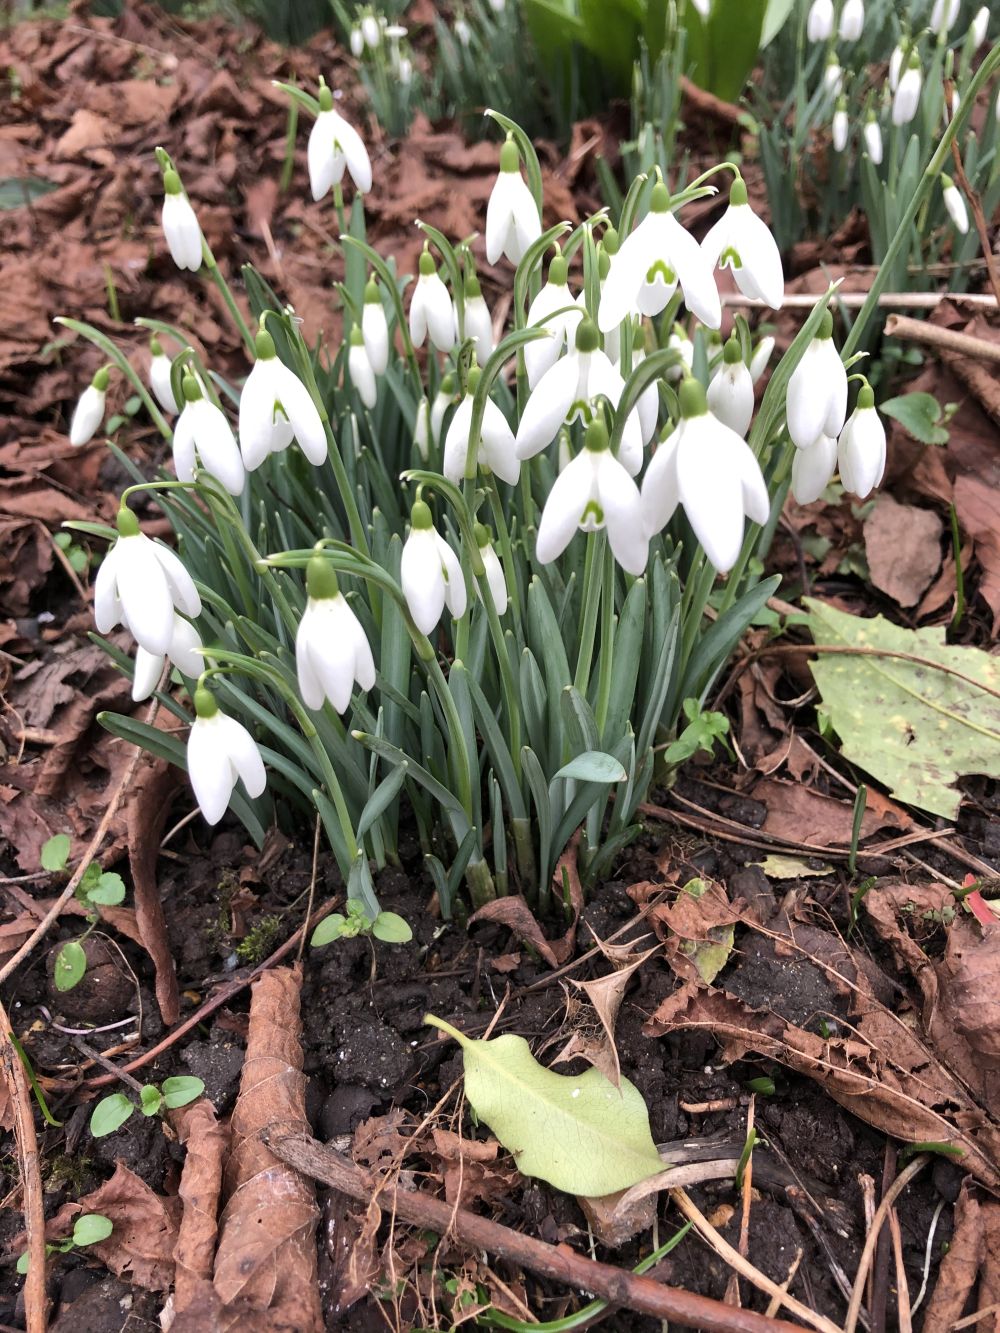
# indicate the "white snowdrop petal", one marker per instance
pixel 813 468
pixel 145 598
pixel 107 607
pixel 181 585
pixel 216 445
pixel 359 368
pixel 547 407
pixel 572 490
pixel 422 580
pixel 375 331
pixel 160 383
pixel 660 495
pixel 256 415
pixel 146 675
pixel 209 768
pixel 451 570
pixel 87 415
pixel 243 754
pixel 185 649
pixel 456 442
pixel 618 496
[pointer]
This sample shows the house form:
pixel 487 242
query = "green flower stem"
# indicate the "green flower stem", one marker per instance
pixel 506 547
pixel 291 131
pixel 215 273
pixel 102 341
pixel 512 705
pixel 591 599
pixel 608 624
pixel 926 184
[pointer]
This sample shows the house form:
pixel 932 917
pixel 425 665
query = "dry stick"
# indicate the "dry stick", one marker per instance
pixel 31 1177
pixel 855 300
pixel 888 1199
pixel 94 847
pixel 557 1262
pixel 975 204
pixel 919 331
pixel 902 1290
pixel 774 1304
pixel 733 1257
pixel 971 1319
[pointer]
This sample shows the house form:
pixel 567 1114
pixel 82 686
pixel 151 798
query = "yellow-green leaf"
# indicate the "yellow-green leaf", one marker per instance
pixel 581 1134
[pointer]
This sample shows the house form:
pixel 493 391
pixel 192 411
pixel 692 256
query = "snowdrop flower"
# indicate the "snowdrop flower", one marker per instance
pixel 895 66
pixel 431 310
pixel 463 32
pixel 512 220
pixel 680 342
pixel 813 469
pixel 357 42
pixel 443 399
pixel 833 77
pixel 478 321
pixel 955 204
pixel 817 391
pixel 861 447
pixel 841 125
pixel 405 71
pixel 712 472
pixel 819 24
pixel 554 295
pixel 184 652
pixel 568 390
pixel 944 14
pixel 422 429
pixel 331 647
pixel 89 411
pixel 873 139
pixel 359 368
pixel 159 377
pixel 607 251
pixel 592 492
pixel 730 394
pixel 203 437
pixel 978 27
pixel 497 450
pixel 648 405
pixel 742 242
pixel 180 225
pixel 139 584
pixel 907 96
pixel 275 408
pixel 492 568
pixel 430 573
pixel 375 329
pixel 650 263
pixel 220 750
pixel 761 356
pixel 371 31
pixel 852 20
pixel 333 146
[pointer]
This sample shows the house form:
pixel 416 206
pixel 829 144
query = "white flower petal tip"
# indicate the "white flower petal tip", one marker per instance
pixel 139 585
pixel 335 145
pixel 203 437
pixel 816 402
pixel 220 752
pixel 185 653
pixel 180 224
pixel 955 205
pixel 493 570
pixel 512 218
pixel 276 408
pixel 160 381
pixel 375 329
pixel 431 309
pixel 88 414
pixel 430 573
pixel 710 470
pixel 332 652
pixel 906 98
pixel 819 25
pixel 861 449
pixel 813 469
pixel 730 394
pixel 360 370
pixel 742 242
pixel 852 20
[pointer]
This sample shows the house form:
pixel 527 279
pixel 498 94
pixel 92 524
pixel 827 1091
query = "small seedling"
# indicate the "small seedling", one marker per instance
pixel 77 557
pixel 389 927
pixel 97 888
pixel 111 1113
pixel 88 1229
pixel 701 733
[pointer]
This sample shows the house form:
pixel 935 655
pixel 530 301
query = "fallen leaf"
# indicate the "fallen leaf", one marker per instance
pixel 606 994
pixel 145 816
pixel 201 1181
pixel 791 867
pixel 903 546
pixel 960 1263
pixel 802 815
pixel 697 929
pixel 470 1169
pixel 614 1219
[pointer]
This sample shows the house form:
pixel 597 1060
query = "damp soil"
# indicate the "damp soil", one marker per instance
pixel 368 1051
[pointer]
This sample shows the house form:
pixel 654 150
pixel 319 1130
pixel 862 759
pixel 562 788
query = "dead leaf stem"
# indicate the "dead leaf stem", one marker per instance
pixel 932 335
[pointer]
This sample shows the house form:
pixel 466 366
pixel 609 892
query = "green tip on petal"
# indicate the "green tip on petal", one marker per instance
pixel 155 347
pixel 372 294
pixel 866 397
pixel 264 346
pixel 914 60
pixel 738 192
pixel 325 99
pixel 596 438
pixel 587 337
pixel 101 380
pixel 482 534
pixel 558 271
pixel 472 287
pixel 205 705
pixel 946 181
pixel 510 158
pixel 427 266
pixel 190 388
pixel 660 200
pixel 825 326
pixel 420 517
pixel 448 384
pixel 171 182
pixel 475 375
pixel 126 522
pixel 357 337
pixel 321 579
pixel 692 398
pixel 732 353
pixel 610 242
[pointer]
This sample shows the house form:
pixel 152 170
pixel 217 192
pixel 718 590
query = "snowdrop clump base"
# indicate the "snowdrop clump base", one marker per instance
pixel 469 578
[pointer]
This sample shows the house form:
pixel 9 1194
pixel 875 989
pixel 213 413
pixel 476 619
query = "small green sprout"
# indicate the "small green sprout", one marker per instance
pixel 97 888
pixel 111 1113
pixel 389 927
pixel 88 1229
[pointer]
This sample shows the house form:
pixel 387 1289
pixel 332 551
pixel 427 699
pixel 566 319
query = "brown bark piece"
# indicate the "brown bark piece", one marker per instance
pixel 201 1184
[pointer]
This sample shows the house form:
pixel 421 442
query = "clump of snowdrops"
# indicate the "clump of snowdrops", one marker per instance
pixel 460 574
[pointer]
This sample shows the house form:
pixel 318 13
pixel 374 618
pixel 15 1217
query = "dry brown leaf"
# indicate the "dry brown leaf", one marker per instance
pixel 514 913
pixel 140 1249
pixel 882 1074
pixel 606 994
pixel 903 546
pixel 379 1142
pixel 470 1171
pixel 614 1224
pixel 145 817
pixel 960 1264
pixel 800 814
pixel 201 1181
pixel 266 1261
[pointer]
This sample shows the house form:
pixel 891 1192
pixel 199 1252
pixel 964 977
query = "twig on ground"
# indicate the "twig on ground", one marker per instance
pixel 558 1262
pixel 774 1304
pixel 928 1251
pixel 31 1177
pixel 932 335
pixel 902 1290
pixel 976 1318
pixel 888 1199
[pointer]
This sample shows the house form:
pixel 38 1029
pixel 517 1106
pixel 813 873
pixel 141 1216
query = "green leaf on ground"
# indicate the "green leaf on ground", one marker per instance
pixel 91 1228
pixel 180 1090
pixel 919 414
pixel 55 852
pixel 390 928
pixel 110 1114
pixel 583 1135
pixel 150 1099
pixel 71 964
pixel 913 726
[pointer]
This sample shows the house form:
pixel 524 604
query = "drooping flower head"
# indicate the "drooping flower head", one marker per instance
pixel 742 242
pixel 512 220
pixel 375 328
pixel 861 447
pixel 730 394
pixel 852 20
pixel 493 568
pixel 429 572
pixel 139 585
pixel 431 310
pixel 185 652
pixel 819 24
pixel 203 437
pixel 841 126
pixel 89 411
pixel 180 225
pixel 873 138
pixel 160 382
pixel 220 751
pixel 331 648
pixel 478 321
pixel 359 369
pixel 334 145
pixel 907 96
pixel 955 204
pixel 816 403
pixel 497 448
pixel 553 296
pixel 276 408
